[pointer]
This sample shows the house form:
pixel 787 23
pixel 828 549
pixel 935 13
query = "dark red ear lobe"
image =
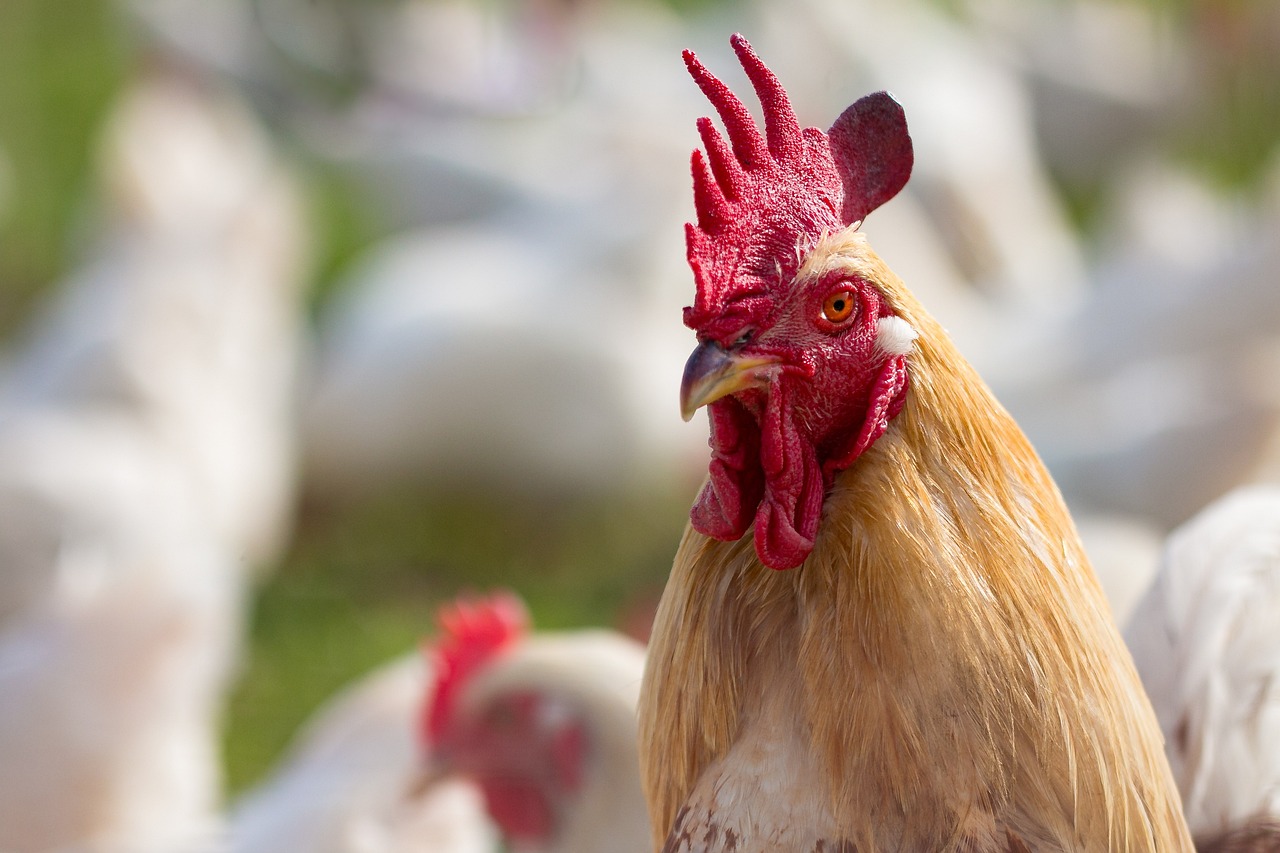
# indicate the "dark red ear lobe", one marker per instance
pixel 873 154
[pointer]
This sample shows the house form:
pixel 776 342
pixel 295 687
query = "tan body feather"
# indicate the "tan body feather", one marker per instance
pixel 952 668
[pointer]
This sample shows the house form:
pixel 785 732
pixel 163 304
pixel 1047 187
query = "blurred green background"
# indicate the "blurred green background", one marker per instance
pixel 360 583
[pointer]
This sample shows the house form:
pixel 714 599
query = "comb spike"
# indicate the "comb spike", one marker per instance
pixel 472 633
pixel 707 198
pixel 726 169
pixel 781 127
pixel 748 145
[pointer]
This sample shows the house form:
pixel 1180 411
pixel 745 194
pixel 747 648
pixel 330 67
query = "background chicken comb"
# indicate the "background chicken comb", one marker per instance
pixel 472 632
pixel 758 198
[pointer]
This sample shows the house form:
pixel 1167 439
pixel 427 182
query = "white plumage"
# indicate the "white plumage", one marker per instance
pixel 348 784
pixel 1206 639
pixel 145 461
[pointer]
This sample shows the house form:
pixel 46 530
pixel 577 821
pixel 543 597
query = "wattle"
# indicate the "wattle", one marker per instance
pixel 767 473
pixel 519 807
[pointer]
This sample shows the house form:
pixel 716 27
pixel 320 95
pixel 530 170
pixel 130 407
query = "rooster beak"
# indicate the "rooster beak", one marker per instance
pixel 713 372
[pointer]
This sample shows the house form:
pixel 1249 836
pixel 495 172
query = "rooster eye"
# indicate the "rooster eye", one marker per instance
pixel 838 306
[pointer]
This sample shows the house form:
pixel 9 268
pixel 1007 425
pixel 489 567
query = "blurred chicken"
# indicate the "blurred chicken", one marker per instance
pixel 586 198
pixel 1206 641
pixel 543 724
pixel 881 607
pixel 1106 80
pixel 546 727
pixel 119 623
pixel 145 460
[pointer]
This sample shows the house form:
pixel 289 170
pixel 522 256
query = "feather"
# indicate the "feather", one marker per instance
pixel 1206 640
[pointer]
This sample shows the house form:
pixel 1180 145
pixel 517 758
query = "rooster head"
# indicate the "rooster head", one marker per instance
pixel 525 749
pixel 801 360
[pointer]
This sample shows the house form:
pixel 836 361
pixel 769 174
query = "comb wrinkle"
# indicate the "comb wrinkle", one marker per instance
pixel 782 129
pixel 748 145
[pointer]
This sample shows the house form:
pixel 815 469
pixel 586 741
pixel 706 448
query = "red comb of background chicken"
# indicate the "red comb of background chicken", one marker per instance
pixel 472 632
pixel 761 199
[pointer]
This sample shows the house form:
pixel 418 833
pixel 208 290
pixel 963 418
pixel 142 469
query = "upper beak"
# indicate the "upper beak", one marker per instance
pixel 713 372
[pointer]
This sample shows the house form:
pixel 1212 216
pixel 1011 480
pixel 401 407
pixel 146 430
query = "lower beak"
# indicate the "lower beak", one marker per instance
pixel 426 778
pixel 713 372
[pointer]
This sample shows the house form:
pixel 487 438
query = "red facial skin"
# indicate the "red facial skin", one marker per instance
pixel 761 199
pixel 776 450
pixel 527 758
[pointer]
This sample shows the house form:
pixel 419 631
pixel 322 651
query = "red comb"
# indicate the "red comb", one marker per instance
pixel 759 199
pixel 472 632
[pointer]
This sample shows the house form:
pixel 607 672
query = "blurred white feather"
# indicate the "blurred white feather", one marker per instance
pixel 145 460
pixel 1206 640
pixel 348 784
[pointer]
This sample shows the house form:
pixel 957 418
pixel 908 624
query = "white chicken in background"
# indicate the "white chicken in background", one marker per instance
pixel 145 460
pixel 1106 80
pixel 537 729
pixel 549 269
pixel 1206 641
pixel 546 727
pixel 1156 395
pixel 188 311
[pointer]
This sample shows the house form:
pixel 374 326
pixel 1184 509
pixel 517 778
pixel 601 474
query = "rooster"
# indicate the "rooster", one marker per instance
pixel 910 652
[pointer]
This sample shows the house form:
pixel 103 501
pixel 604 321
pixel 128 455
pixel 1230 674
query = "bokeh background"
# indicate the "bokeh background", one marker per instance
pixel 432 338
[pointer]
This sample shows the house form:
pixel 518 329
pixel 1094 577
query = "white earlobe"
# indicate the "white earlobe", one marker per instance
pixel 895 336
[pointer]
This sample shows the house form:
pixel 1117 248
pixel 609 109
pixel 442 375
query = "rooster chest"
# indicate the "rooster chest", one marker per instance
pixel 764 795
pixel 767 792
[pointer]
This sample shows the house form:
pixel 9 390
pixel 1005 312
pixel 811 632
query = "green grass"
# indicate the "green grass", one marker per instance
pixel 61 63
pixel 361 585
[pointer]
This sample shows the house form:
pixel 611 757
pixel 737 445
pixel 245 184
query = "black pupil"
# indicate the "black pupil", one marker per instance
pixel 837 306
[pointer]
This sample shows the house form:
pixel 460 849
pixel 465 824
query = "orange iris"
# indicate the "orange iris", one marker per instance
pixel 838 306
